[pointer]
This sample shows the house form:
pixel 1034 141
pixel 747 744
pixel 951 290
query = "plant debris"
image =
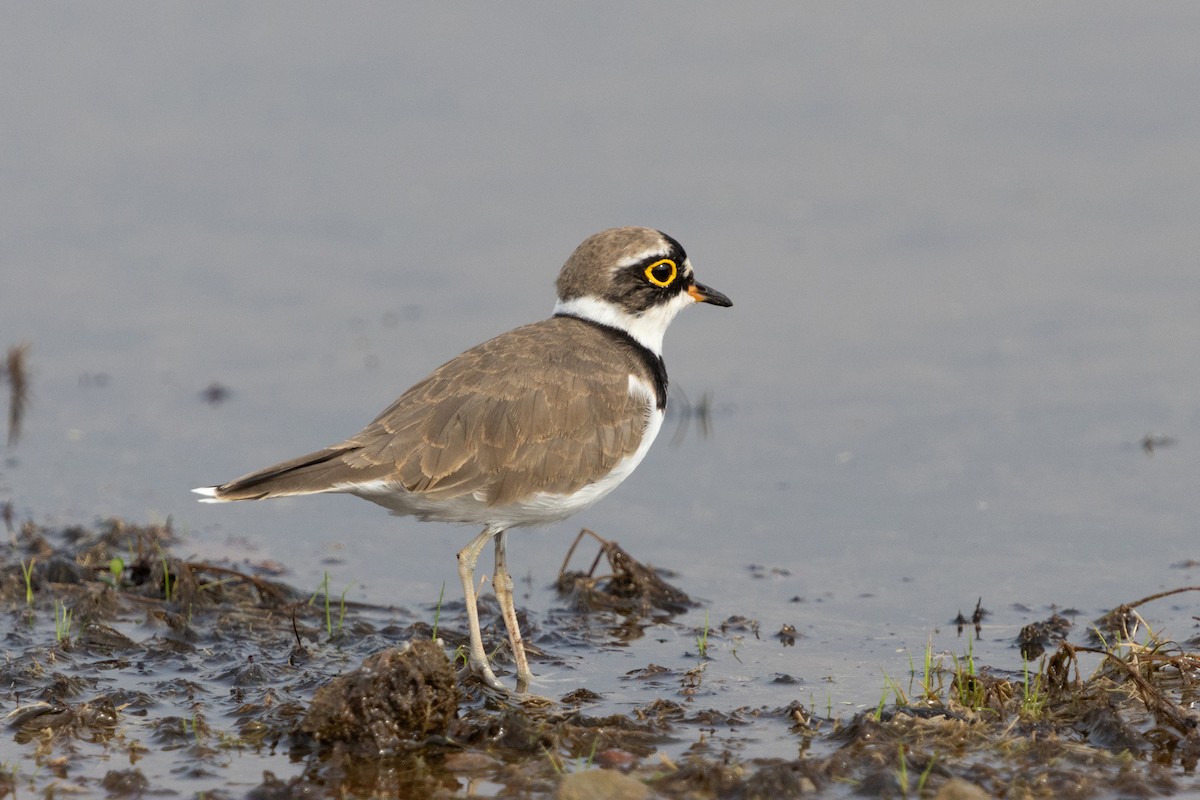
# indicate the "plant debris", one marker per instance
pixel 976 620
pixel 400 695
pixel 17 374
pixel 133 672
pixel 630 587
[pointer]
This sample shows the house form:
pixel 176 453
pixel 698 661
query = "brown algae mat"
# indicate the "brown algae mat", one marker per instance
pixel 130 672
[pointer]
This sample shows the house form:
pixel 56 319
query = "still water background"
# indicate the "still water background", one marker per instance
pixel 961 242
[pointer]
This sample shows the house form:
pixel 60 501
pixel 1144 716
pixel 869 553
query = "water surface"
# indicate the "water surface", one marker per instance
pixel 961 243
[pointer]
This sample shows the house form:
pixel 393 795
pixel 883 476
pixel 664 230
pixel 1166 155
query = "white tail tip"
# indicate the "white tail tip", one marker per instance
pixel 210 494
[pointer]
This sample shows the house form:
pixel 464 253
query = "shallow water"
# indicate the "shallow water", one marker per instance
pixel 960 243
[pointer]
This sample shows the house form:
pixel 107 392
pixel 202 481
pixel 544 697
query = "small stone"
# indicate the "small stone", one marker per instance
pixel 959 789
pixel 469 762
pixel 601 784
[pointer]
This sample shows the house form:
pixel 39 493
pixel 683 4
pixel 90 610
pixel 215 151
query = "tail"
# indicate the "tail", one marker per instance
pixel 322 471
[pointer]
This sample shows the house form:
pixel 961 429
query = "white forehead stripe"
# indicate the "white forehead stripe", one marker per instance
pixel 651 252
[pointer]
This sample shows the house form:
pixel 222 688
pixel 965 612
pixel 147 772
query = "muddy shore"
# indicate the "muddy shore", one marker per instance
pixel 130 672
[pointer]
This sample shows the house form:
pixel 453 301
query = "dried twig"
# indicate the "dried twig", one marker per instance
pixel 18 385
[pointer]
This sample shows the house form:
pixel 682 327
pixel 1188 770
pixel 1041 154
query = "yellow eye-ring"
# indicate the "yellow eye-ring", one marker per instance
pixel 662 272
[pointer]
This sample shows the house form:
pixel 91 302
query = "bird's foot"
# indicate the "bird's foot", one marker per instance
pixel 483 673
pixel 491 684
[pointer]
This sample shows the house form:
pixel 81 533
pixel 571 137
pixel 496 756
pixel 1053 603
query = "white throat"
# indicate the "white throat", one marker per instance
pixel 646 328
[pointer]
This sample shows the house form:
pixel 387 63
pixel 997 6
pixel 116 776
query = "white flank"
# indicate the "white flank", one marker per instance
pixel 594 491
pixel 538 509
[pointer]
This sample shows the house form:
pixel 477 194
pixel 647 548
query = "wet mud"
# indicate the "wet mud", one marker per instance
pixel 132 672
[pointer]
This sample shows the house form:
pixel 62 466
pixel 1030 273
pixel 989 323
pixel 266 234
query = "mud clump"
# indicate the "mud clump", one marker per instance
pixel 399 696
pixel 1035 637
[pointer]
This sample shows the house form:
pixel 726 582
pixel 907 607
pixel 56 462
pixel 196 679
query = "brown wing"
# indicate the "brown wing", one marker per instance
pixel 544 407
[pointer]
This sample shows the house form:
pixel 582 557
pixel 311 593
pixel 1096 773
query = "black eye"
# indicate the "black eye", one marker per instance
pixel 662 272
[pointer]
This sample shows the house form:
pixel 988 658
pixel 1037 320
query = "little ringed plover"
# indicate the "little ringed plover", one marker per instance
pixel 526 428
